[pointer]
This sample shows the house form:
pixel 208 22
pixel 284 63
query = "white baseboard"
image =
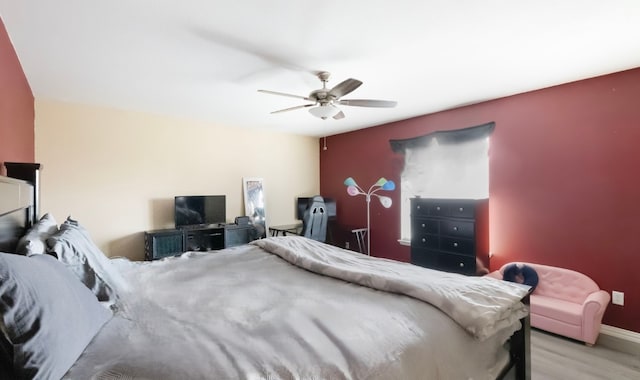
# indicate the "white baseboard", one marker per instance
pixel 619 333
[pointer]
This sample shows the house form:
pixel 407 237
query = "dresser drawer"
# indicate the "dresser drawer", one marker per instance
pixel 457 245
pixel 428 207
pixel 461 209
pixel 425 226
pixel 458 208
pixel 456 263
pixel 458 228
pixel 425 241
pixel 424 257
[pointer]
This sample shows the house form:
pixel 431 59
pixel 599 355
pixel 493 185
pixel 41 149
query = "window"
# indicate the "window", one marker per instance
pixel 444 164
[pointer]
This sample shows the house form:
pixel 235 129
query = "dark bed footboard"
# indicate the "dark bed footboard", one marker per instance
pixel 519 367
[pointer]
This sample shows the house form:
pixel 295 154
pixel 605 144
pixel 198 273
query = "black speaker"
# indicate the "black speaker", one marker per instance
pixel 242 220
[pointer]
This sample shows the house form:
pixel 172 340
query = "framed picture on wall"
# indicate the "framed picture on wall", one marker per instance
pixel 254 204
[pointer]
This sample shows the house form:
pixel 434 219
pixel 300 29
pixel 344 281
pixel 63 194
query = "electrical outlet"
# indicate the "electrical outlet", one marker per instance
pixel 346 244
pixel 617 298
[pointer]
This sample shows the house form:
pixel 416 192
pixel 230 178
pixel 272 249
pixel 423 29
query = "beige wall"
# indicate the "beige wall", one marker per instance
pixel 117 172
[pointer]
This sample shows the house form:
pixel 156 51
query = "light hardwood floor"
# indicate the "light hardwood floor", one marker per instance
pixel 557 358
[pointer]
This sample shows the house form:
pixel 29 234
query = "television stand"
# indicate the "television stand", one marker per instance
pixel 172 242
pixel 201 226
pixel 204 239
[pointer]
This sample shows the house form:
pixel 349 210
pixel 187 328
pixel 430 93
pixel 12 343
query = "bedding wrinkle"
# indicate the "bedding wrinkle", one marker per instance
pixel 348 357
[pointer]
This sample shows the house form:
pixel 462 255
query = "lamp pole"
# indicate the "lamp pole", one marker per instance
pixel 368 224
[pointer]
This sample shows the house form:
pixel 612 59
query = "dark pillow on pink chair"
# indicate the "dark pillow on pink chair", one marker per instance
pixel 522 274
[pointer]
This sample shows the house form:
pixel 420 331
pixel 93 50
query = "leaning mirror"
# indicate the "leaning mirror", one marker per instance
pixel 254 204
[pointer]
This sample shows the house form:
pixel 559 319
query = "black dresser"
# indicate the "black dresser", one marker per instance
pixel 449 234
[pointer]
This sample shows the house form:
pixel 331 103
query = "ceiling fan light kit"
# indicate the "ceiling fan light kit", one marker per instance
pixel 324 111
pixel 325 100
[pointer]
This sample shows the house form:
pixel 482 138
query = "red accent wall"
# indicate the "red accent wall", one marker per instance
pixel 564 180
pixel 17 141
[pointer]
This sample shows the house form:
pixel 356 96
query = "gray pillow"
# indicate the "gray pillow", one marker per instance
pixel 49 316
pixel 74 248
pixel 33 242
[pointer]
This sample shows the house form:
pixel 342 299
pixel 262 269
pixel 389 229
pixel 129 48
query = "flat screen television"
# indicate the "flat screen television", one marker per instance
pixel 194 210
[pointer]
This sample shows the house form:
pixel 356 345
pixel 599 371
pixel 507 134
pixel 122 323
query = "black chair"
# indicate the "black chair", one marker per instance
pixel 314 222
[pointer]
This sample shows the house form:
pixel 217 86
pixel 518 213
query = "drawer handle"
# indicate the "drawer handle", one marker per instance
pixel 455 228
pixel 438 208
pixel 418 207
pixel 461 265
pixel 423 225
pixel 461 209
pixel 424 240
pixel 455 244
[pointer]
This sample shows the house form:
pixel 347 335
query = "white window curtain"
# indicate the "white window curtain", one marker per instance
pixel 444 164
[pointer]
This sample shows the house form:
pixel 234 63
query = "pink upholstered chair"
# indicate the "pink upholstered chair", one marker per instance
pixel 565 302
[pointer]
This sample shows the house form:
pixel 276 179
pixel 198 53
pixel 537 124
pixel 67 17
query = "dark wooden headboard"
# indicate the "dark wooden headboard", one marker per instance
pixel 19 201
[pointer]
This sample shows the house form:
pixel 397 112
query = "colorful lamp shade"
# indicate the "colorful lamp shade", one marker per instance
pixel 382 184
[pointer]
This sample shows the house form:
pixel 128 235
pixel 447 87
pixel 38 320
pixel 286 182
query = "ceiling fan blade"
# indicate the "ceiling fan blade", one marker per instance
pixel 339 115
pixel 259 51
pixel 285 94
pixel 344 87
pixel 367 103
pixel 294 108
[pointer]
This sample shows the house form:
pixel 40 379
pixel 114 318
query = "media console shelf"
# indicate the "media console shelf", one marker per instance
pixel 171 242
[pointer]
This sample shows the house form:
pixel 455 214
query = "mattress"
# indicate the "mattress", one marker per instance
pixel 249 313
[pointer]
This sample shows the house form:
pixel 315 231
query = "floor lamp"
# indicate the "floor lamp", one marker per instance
pixel 382 184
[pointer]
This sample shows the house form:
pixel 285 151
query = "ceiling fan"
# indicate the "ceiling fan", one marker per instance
pixel 325 100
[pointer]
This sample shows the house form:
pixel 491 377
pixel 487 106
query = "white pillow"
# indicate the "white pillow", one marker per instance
pixel 33 242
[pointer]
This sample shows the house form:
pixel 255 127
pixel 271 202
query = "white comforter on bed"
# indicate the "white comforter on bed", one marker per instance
pixel 245 313
pixel 479 304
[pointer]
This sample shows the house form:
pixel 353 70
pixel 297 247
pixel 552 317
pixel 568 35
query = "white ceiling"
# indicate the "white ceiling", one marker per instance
pixel 205 59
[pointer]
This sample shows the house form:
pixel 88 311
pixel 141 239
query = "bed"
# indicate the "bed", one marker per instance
pixel 279 308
